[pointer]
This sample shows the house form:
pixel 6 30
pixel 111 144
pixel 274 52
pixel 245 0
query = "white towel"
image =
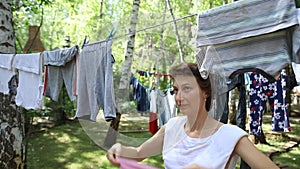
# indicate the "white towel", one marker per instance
pixel 30 87
pixel 6 61
pixel 6 72
pixel 28 62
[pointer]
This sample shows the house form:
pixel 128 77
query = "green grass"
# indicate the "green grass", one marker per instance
pixel 65 146
pixel 69 147
pixel 277 141
pixel 291 159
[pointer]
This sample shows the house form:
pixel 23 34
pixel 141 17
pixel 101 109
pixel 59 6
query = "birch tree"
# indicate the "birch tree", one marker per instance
pixel 125 77
pixel 124 81
pixel 12 131
pixel 176 31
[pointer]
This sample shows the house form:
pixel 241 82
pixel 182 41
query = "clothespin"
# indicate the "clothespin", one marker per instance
pixel 84 42
pixel 111 34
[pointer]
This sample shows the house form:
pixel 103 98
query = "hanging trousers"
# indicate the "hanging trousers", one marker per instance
pixel 238 82
pixel 261 90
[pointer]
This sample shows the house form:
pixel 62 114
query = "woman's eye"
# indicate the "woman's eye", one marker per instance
pixel 186 89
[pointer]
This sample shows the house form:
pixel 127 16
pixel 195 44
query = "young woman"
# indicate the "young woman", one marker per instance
pixel 194 140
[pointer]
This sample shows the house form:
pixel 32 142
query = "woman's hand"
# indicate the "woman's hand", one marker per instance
pixel 113 153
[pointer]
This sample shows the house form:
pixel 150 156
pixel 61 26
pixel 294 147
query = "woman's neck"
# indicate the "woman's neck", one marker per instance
pixel 201 126
pixel 196 122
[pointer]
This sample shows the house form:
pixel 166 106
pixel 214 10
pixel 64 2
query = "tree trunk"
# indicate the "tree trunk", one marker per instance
pixel 125 77
pixel 176 31
pixel 12 121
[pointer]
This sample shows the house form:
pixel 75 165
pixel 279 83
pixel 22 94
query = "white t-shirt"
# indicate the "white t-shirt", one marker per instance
pixel 180 150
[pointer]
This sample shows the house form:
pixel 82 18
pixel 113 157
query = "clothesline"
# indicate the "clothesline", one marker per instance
pixel 155 74
pixel 149 87
pixel 144 29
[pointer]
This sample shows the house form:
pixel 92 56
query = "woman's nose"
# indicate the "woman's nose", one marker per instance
pixel 178 97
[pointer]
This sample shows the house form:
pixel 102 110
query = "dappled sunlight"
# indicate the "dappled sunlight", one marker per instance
pixel 292 158
pixel 61 148
pixel 69 147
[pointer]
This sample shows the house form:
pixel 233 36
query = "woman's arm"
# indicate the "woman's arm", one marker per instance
pixel 252 156
pixel 150 147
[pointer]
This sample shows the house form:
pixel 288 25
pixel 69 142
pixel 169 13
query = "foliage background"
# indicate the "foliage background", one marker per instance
pixel 155 42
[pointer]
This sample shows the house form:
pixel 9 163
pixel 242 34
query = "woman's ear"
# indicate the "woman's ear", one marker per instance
pixel 206 95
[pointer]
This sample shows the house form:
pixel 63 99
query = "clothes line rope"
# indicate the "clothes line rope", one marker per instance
pixel 144 29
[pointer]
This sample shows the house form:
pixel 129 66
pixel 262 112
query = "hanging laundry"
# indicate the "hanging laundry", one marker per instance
pixel 160 104
pixel 296 69
pixel 30 87
pixel 6 72
pixel 13 85
pixel 95 87
pixel 246 40
pixel 140 95
pixel 166 106
pixel 237 20
pixel 291 81
pixel 145 78
pixel 266 53
pixel 241 113
pixel 153 122
pixel 296 41
pixel 60 67
pixel 262 90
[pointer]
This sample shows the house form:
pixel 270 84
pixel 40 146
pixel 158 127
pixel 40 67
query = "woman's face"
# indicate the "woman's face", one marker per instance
pixel 189 97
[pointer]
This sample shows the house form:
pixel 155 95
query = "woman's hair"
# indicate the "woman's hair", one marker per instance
pixel 191 69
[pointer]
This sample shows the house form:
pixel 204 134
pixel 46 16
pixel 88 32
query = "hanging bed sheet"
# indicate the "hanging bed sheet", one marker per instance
pixel 248 35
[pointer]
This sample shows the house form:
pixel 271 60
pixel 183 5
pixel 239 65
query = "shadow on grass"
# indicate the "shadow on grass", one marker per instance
pixel 64 147
pixel 285 156
pixel 290 159
pixel 69 147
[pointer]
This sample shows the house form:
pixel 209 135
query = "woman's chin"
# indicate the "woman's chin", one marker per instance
pixel 184 111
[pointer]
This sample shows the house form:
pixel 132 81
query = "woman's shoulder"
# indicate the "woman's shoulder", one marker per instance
pixel 228 135
pixel 231 131
pixel 176 120
pixel 230 126
pixel 175 124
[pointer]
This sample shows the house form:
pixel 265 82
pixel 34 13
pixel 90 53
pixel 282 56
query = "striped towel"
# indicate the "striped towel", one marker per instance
pixel 244 18
pixel 267 52
pixel 248 35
